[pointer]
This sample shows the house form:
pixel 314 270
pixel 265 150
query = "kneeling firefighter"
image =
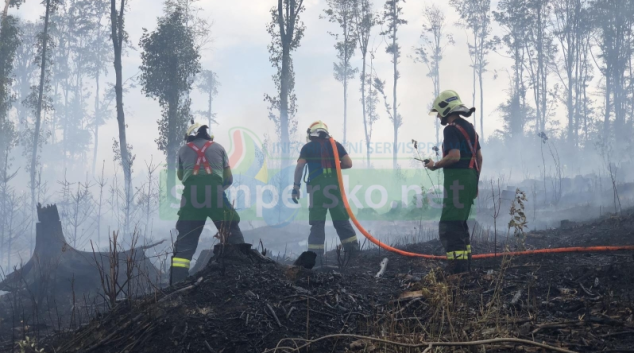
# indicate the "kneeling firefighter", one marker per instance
pixel 203 167
pixel 324 192
pixel 461 164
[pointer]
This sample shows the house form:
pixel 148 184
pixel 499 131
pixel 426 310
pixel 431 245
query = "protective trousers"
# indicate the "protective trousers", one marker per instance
pixel 202 197
pixel 325 197
pixel 460 190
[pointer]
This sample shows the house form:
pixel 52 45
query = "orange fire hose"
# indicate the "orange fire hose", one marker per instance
pixel 438 257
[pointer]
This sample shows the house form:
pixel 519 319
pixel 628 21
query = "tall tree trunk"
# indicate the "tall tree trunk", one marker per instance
pixel 363 107
pixel 38 114
pixel 101 184
pixel 577 101
pixel 540 65
pixel 3 79
pixel 481 104
pixel 345 79
pixel 475 64
pixel 544 92
pixel 585 101
pixel 515 105
pixel 3 200
pixel 622 52
pixel 394 106
pixel 97 117
pixel 631 91
pixel 77 103
pixel 286 33
pixel 209 101
pixel 606 115
pixel 284 88
pixel 65 124
pixel 436 82
pixel 172 142
pixel 54 117
pixel 117 41
pixel 345 110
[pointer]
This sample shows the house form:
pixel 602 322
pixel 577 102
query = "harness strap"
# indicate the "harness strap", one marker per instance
pixel 326 163
pixel 201 157
pixel 473 164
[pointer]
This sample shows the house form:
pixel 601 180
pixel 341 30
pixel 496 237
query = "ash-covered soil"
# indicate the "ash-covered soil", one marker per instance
pixel 579 301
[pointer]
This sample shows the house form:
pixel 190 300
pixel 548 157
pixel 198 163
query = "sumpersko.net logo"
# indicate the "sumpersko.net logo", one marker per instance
pixel 261 192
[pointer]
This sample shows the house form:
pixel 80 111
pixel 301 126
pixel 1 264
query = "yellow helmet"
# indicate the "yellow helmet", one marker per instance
pixel 449 102
pixel 316 129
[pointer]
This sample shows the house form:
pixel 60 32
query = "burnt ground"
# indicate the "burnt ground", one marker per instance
pixel 583 302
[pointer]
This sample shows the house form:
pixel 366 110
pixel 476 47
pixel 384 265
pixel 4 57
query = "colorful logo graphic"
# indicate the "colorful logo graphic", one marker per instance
pixel 246 155
pixel 249 164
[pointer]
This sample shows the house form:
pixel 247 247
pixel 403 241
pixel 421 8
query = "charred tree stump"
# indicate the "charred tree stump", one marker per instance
pixel 57 270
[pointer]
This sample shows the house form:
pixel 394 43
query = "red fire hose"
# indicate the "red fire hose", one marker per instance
pixel 437 257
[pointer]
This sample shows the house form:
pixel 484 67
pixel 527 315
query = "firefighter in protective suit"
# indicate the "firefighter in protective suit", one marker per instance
pixel 461 164
pixel 203 167
pixel 323 189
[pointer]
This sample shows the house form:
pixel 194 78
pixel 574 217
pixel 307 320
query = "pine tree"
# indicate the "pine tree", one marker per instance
pixel 170 61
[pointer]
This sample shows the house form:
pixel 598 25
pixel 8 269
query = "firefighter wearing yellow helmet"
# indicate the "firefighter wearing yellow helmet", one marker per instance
pixel 203 167
pixel 461 164
pixel 323 188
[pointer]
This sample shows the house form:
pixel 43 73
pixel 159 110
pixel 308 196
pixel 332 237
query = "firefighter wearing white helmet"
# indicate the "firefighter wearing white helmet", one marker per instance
pixel 193 129
pixel 461 164
pixel 203 167
pixel 317 129
pixel 323 188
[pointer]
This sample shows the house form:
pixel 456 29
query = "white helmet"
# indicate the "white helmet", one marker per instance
pixel 194 129
pixel 316 129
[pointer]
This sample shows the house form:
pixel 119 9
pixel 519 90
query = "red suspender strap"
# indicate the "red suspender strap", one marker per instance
pixel 201 157
pixel 197 165
pixel 474 162
pixel 204 159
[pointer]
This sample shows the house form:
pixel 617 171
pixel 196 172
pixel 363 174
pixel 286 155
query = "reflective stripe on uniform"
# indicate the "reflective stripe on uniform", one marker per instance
pixel 315 246
pixel 349 240
pixel 469 249
pixel 458 255
pixel 180 262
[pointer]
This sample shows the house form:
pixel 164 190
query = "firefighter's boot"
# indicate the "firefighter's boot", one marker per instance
pixel 457 266
pixel 320 260
pixel 469 257
pixel 179 270
pixel 351 250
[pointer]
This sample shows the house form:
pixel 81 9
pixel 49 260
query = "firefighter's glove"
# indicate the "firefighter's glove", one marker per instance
pixel 295 193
